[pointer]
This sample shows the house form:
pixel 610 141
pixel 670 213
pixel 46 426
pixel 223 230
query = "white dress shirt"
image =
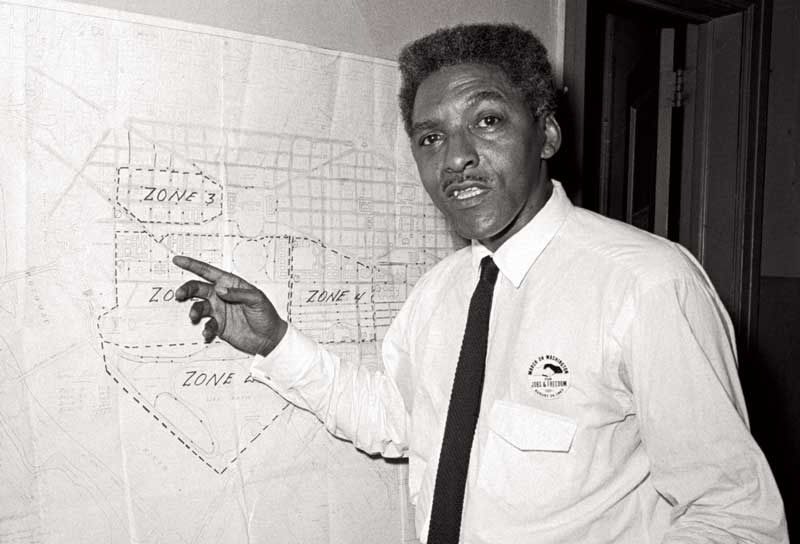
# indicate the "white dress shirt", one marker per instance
pixel 611 410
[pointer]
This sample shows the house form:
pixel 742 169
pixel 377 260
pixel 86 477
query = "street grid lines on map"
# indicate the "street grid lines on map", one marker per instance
pixel 274 190
pixel 129 140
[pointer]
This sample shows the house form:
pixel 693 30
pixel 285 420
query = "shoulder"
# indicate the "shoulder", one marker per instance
pixel 627 253
pixel 642 277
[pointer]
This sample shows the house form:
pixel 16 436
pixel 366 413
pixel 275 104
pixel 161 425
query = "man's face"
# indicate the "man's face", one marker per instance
pixel 479 151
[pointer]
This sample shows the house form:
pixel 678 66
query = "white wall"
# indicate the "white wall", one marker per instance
pixel 375 28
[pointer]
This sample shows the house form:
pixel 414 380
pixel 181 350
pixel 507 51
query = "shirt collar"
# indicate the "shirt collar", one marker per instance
pixel 517 254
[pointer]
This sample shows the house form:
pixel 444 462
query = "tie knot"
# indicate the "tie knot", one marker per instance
pixel 488 270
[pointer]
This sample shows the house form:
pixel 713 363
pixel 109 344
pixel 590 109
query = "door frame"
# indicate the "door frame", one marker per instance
pixel 742 291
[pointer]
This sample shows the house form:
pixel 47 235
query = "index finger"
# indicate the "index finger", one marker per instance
pixel 204 270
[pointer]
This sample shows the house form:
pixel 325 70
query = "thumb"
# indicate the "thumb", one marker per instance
pixel 251 297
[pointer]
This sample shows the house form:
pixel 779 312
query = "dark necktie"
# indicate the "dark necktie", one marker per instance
pixel 462 415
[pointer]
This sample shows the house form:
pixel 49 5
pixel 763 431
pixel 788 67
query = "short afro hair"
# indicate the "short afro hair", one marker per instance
pixel 516 51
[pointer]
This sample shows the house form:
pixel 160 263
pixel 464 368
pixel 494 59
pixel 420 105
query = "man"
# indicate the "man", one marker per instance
pixel 610 409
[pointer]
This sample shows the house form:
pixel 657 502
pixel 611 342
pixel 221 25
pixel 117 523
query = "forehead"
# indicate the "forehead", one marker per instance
pixel 459 85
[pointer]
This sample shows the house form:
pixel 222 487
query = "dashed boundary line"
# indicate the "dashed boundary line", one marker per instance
pixel 290 271
pixel 335 251
pixel 146 346
pixel 169 428
pixel 173 171
pixel 292 240
pixel 372 338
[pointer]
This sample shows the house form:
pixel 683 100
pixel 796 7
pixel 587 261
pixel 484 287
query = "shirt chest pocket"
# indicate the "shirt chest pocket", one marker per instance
pixel 527 461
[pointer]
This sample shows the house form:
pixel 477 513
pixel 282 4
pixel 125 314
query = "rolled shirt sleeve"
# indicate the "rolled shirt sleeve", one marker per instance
pixel 679 354
pixel 358 403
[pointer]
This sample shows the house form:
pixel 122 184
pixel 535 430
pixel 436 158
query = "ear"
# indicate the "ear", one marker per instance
pixel 552 136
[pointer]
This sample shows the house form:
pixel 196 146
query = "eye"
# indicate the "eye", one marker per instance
pixel 430 139
pixel 488 121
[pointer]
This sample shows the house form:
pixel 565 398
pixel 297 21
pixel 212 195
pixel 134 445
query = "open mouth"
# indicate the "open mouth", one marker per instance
pixel 469 192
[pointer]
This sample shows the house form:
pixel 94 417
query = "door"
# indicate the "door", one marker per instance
pixel 637 136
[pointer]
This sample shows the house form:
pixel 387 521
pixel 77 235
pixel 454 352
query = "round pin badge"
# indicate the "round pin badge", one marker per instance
pixel 548 376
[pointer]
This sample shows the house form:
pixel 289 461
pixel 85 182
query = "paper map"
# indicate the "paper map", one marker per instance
pixel 128 139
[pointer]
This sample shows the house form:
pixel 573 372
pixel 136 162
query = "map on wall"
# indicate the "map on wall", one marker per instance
pixel 126 140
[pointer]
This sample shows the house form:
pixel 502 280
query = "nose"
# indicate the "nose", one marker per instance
pixel 461 153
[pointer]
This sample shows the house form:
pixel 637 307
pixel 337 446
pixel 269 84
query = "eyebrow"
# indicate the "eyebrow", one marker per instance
pixel 478 96
pixel 423 126
pixel 487 94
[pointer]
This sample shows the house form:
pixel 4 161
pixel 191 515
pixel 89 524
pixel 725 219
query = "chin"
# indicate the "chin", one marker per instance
pixel 478 233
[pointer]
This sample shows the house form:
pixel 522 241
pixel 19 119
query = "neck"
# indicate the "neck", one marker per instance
pixel 536 201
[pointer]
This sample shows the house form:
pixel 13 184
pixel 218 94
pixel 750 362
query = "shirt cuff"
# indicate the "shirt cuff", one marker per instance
pixel 288 362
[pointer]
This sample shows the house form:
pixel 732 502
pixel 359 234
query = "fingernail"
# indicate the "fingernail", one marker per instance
pixel 221 290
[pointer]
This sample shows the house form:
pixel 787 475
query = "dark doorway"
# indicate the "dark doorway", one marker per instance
pixel 687 164
pixel 634 134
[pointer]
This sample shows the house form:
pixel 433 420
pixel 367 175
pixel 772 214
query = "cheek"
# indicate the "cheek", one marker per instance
pixel 428 174
pixel 432 190
pixel 522 174
pixel 503 211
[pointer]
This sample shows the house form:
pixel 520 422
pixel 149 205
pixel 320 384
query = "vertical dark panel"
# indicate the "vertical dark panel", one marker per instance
pixel 750 183
pixel 568 164
pixel 721 155
pixel 781 230
pixel 676 152
pixel 772 388
pixel 772 377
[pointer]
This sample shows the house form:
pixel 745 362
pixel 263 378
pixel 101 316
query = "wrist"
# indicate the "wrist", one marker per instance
pixel 271 341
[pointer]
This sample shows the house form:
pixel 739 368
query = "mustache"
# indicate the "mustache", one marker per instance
pixel 452 179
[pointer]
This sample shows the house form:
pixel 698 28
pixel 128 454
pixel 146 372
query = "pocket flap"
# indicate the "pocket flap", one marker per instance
pixel 530 429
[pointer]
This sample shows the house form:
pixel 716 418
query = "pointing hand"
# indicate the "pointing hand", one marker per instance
pixel 238 312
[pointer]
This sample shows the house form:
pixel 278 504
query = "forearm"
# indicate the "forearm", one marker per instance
pixel 741 506
pixel 704 461
pixel 354 402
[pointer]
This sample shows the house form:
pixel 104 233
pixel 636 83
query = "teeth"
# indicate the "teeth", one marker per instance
pixel 466 193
